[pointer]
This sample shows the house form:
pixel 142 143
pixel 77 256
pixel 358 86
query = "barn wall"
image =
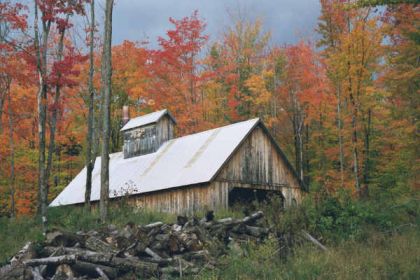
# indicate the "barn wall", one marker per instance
pixel 257 164
pixel 140 141
pixel 148 138
pixel 185 200
pixel 164 130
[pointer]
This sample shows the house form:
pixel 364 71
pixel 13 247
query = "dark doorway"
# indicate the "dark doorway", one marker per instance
pixel 249 197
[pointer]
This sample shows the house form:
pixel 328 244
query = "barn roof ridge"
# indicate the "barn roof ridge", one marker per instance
pixel 257 120
pixel 147 119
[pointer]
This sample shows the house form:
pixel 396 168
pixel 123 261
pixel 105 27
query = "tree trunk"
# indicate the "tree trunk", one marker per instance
pixel 106 75
pixel 307 165
pixel 301 160
pixel 53 125
pixel 366 169
pixel 2 97
pixel 41 61
pixel 354 113
pixel 90 156
pixel 340 136
pixel 363 192
pixel 12 152
pixel 354 140
pixel 298 135
pixel 3 80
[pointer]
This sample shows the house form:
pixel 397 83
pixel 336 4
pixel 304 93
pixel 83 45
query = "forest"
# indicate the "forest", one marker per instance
pixel 344 107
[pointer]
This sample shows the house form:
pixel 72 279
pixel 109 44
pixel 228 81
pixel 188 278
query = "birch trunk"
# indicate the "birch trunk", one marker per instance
pixel 366 167
pixel 3 33
pixel 354 114
pixel 53 125
pixel 12 153
pixel 106 75
pixel 354 140
pixel 2 97
pixel 301 172
pixel 298 124
pixel 90 156
pixel 340 136
pixel 41 61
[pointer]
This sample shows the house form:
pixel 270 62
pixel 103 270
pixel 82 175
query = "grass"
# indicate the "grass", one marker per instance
pixel 14 233
pixel 380 257
pixel 363 243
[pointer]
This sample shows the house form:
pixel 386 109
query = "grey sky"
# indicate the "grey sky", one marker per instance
pixel 288 20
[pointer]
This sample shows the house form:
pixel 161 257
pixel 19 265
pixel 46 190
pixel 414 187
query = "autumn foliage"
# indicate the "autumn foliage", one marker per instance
pixel 345 108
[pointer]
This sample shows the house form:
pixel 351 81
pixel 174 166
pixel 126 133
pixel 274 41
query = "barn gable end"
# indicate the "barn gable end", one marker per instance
pixel 259 164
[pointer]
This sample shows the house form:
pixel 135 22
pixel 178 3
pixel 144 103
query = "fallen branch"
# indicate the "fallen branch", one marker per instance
pixel 86 268
pixel 36 274
pixel 101 273
pixel 66 259
pixel 152 254
pixel 314 241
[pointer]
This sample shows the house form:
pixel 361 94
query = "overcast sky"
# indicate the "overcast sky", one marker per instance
pixel 288 20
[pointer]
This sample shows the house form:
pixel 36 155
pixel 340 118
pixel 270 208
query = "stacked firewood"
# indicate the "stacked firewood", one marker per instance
pixel 153 251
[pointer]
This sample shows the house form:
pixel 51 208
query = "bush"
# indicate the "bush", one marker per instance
pixel 333 219
pixel 383 257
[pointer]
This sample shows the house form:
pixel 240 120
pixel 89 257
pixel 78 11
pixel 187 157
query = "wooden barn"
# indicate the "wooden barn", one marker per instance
pixel 208 170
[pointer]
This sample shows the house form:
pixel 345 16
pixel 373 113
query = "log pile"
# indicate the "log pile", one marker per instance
pixel 153 251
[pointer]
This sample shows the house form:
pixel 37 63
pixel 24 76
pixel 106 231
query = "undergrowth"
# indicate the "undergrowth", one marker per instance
pixel 14 233
pixel 371 239
pixel 381 257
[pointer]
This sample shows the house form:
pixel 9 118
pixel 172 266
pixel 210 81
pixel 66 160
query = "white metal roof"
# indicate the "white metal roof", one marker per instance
pixel 145 119
pixel 187 160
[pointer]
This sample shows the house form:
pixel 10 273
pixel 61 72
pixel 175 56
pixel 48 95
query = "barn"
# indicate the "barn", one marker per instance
pixel 212 169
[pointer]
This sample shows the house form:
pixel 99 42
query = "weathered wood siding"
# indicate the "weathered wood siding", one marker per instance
pixel 184 200
pixel 258 165
pixel 148 138
pixel 164 130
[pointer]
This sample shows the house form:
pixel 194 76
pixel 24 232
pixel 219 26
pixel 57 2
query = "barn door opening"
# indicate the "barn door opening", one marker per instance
pixel 250 198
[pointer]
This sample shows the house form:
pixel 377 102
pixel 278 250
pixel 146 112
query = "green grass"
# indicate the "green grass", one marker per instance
pixel 14 233
pixel 75 219
pixel 366 239
pixel 380 257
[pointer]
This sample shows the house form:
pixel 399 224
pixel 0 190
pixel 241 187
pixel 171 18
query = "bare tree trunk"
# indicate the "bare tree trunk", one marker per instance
pixel 366 168
pixel 2 97
pixel 364 188
pixel 296 144
pixel 4 31
pixel 106 76
pixel 307 165
pixel 354 110
pixel 298 140
pixel 12 153
pixel 90 156
pixel 298 135
pixel 340 136
pixel 354 140
pixel 53 125
pixel 41 60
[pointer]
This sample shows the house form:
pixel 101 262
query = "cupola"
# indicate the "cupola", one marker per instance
pixel 145 134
